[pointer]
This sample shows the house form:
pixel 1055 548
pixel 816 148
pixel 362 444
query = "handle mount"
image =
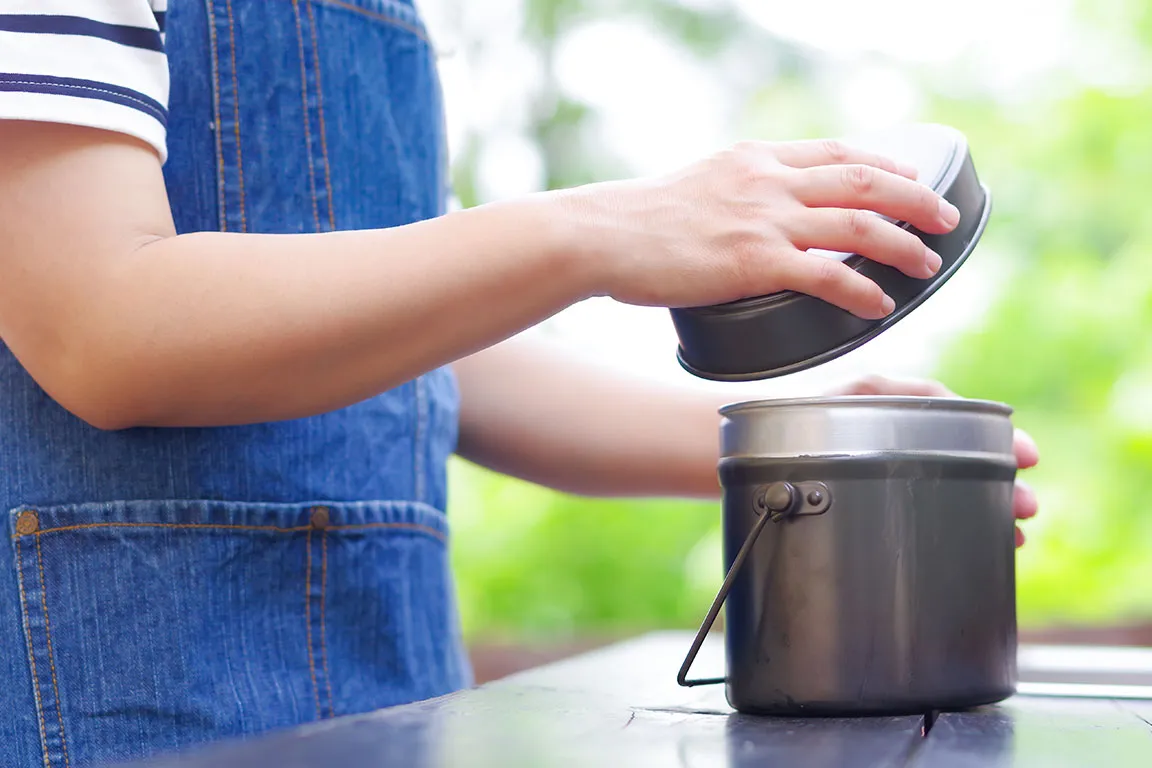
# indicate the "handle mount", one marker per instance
pixel 777 502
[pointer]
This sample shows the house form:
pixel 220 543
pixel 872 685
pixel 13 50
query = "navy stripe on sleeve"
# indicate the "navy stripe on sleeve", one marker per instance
pixel 135 37
pixel 85 89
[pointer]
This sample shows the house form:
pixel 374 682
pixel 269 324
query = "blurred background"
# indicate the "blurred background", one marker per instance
pixel 1052 314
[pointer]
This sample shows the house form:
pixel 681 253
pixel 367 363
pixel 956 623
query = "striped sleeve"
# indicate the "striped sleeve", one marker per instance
pixel 96 63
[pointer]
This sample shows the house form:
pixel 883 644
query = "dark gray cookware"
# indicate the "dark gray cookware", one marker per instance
pixel 767 336
pixel 870 553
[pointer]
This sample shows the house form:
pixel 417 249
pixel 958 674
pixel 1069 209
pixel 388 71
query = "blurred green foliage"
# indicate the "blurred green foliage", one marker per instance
pixel 1067 344
pixel 535 563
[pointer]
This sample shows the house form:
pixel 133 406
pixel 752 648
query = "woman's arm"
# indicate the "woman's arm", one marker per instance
pixel 530 411
pixel 126 323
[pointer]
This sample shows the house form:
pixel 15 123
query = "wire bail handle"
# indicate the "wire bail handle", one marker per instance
pixel 778 502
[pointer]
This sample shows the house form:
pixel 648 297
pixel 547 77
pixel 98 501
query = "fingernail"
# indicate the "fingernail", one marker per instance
pixel 932 261
pixel 1025 497
pixel 1024 490
pixel 949 214
pixel 907 170
pixel 888 305
pixel 1027 454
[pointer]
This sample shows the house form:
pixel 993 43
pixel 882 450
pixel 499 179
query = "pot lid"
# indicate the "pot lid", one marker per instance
pixel 768 336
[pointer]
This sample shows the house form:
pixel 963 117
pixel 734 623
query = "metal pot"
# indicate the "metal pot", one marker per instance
pixel 871 556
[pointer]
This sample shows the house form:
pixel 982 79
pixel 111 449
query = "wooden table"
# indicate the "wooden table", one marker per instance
pixel 620 706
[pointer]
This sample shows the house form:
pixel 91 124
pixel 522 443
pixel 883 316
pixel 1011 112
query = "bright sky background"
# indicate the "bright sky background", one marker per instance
pixel 661 108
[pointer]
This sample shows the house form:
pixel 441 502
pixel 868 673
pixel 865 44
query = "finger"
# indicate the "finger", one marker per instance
pixel 1024 501
pixel 884 386
pixel 835 283
pixel 1019 537
pixel 1027 454
pixel 868 188
pixel 854 231
pixel 808 154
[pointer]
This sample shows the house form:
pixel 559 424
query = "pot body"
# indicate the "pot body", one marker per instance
pixel 900 597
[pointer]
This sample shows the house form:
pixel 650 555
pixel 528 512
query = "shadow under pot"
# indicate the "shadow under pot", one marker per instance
pixel 768 336
pixel 870 555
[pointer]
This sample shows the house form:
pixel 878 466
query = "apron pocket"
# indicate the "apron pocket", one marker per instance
pixel 156 625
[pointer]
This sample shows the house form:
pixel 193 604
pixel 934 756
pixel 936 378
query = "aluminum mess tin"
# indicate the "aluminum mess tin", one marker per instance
pixel 869 543
pixel 768 336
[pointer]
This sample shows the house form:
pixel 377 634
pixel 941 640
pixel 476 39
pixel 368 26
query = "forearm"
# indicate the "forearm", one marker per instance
pixel 228 328
pixel 532 412
pixel 126 323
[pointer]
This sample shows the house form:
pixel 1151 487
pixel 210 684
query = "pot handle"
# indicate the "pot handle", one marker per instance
pixel 776 502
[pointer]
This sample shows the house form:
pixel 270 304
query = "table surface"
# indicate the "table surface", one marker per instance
pixel 621 706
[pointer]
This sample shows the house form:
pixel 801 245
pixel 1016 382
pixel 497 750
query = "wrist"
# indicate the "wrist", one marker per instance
pixel 579 234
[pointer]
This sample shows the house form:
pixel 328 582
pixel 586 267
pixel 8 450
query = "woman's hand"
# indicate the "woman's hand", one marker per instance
pixel 1024 503
pixel 740 223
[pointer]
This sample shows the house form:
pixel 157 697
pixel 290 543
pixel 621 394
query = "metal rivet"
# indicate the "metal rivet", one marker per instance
pixel 778 497
pixel 320 517
pixel 815 498
pixel 27 523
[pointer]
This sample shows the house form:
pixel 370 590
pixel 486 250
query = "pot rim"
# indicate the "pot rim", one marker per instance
pixel 910 402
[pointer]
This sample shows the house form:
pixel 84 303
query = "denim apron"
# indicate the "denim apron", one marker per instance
pixel 165 587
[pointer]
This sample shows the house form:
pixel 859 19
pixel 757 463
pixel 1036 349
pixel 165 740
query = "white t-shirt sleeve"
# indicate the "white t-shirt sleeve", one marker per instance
pixel 96 63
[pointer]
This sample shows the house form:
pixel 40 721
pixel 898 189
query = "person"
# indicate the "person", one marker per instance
pixel 241 338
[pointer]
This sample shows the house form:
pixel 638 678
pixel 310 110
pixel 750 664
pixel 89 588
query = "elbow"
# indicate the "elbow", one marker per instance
pixel 98 409
pixel 94 390
pixel 105 417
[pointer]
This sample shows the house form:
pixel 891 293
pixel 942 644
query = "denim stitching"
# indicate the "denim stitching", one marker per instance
pixel 307 117
pixel 323 630
pixel 51 655
pixel 308 621
pixel 320 110
pixel 420 33
pixel 31 653
pixel 215 59
pixel 170 525
pixel 223 526
pixel 236 116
